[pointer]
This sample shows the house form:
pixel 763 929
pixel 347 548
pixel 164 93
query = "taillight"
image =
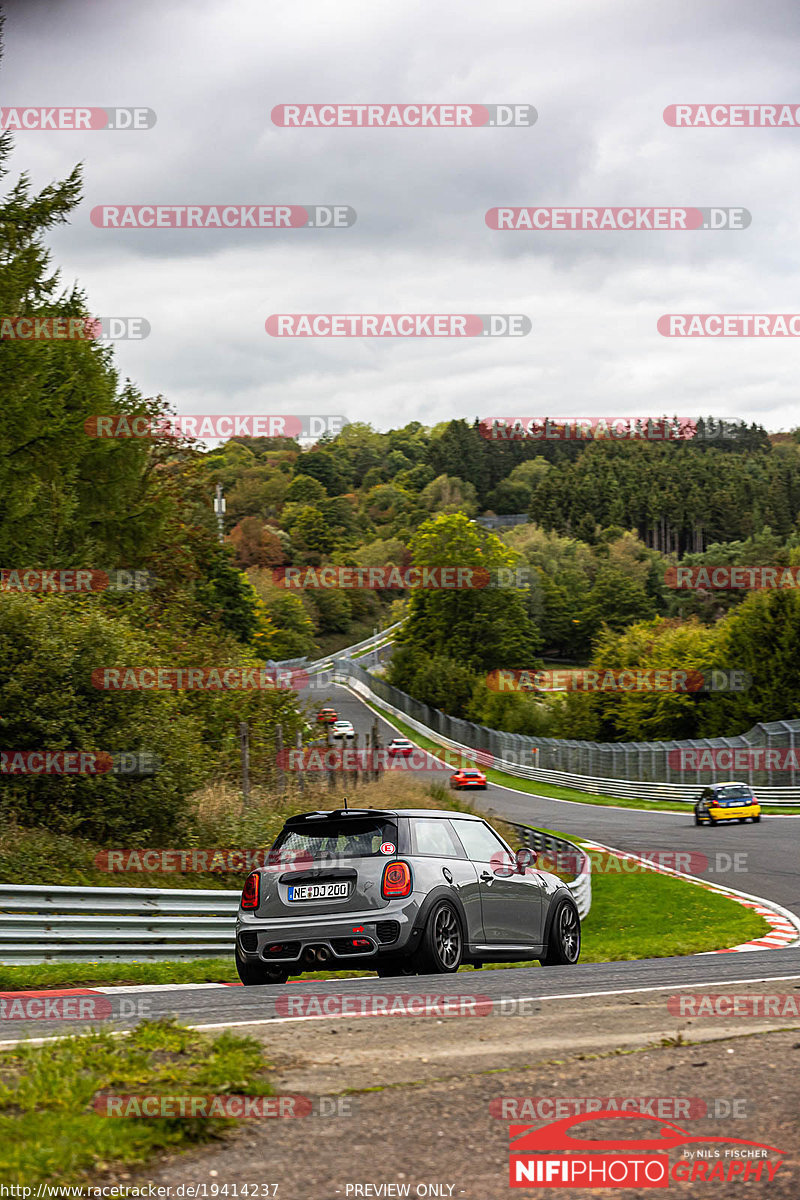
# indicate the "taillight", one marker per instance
pixel 250 891
pixel 396 881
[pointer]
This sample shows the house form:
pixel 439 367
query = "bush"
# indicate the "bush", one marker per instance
pixel 49 649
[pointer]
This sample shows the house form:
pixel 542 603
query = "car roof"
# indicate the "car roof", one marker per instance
pixel 323 814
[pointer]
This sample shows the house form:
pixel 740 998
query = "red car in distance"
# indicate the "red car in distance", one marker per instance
pixel 400 747
pixel 468 778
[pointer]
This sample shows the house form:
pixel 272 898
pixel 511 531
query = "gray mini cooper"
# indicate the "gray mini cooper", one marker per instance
pixel 405 892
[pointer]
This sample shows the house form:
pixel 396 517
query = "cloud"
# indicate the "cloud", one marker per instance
pixel 599 73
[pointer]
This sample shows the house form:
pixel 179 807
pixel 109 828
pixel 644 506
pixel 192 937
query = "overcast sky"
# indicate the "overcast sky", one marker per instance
pixel 598 72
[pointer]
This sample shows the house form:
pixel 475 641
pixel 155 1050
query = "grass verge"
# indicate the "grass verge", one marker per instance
pixel 49 1131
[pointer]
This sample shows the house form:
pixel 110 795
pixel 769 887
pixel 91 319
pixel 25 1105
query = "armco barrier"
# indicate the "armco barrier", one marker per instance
pixel 510 751
pixel 74 924
pixel 383 637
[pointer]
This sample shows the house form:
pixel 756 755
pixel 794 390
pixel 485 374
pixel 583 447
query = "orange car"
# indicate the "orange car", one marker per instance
pixel 326 716
pixel 468 779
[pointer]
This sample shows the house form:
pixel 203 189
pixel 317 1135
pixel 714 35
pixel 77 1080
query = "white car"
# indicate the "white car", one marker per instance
pixel 342 729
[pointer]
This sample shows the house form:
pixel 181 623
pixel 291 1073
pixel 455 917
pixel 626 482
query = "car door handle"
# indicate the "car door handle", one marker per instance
pixel 486 876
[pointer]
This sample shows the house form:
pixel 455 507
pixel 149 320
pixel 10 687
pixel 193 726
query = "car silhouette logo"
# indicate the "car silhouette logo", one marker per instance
pixel 557 1136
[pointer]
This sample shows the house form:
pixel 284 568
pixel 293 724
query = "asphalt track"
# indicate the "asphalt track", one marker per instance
pixel 771 872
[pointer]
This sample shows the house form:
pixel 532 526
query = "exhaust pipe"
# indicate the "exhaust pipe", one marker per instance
pixel 316 954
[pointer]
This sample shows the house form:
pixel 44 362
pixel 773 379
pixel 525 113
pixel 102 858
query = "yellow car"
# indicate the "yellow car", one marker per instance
pixel 726 802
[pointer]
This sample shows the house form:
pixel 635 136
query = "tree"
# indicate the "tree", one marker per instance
pixel 616 601
pixel 305 489
pixel 479 628
pixel 311 534
pixel 449 494
pixel 287 612
pixel 256 544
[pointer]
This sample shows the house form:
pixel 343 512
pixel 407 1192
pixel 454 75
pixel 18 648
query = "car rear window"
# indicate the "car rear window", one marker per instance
pixel 733 794
pixel 346 838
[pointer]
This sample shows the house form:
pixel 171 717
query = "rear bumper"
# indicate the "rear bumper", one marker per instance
pixel 255 935
pixel 735 814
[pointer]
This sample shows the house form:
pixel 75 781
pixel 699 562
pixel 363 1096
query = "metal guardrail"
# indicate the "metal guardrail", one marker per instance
pixel 511 752
pixel 75 924
pixel 381 638
pixel 110 924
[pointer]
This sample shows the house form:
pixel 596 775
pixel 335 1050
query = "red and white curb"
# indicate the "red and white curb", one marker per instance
pixel 784 925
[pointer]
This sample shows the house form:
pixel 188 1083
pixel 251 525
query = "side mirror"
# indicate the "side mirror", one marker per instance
pixel 525 858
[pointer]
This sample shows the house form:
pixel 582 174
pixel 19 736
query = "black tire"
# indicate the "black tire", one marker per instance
pixel 697 820
pixel 442 944
pixel 564 939
pixel 756 819
pixel 253 974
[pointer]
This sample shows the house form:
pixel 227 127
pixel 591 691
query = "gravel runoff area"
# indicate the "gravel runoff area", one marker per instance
pixel 413 1099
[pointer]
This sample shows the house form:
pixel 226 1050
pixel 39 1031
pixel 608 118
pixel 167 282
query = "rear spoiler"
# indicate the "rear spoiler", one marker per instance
pixel 327 815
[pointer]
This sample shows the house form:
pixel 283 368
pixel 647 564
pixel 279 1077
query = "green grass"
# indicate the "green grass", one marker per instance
pixel 647 915
pixel 49 1131
pixel 553 791
pixel 78 974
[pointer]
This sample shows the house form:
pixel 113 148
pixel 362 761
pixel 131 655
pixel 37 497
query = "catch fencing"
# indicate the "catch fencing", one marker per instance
pixel 639 770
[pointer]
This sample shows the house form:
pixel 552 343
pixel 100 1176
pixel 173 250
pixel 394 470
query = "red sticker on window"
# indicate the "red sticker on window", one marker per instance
pixel 387 848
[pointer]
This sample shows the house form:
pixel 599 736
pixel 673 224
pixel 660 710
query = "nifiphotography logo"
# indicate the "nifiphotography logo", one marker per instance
pixel 551 1156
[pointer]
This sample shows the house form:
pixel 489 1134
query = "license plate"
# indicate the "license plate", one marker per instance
pixel 319 891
